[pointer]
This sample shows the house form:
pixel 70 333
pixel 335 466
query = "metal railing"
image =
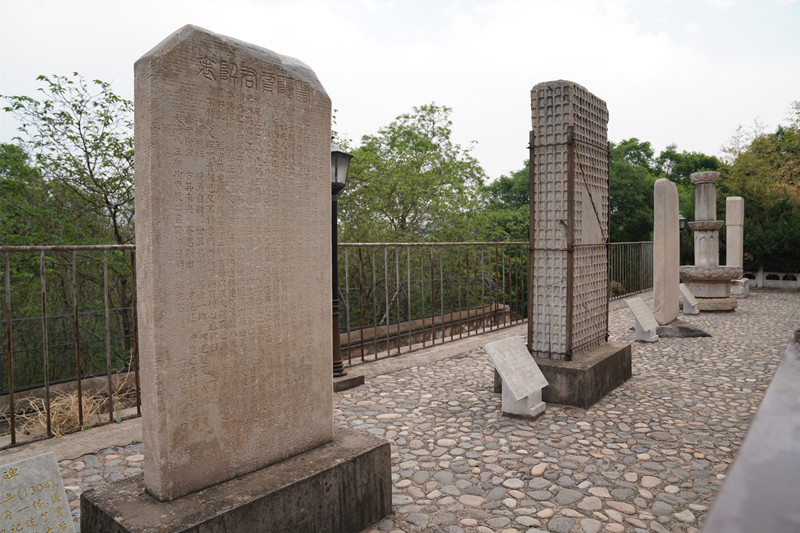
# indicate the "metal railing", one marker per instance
pixel 630 267
pixel 69 320
pixel 397 297
pixel 68 338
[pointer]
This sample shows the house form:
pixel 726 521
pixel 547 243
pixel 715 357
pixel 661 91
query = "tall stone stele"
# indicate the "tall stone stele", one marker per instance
pixel 568 263
pixel 233 291
pixel 709 282
pixel 734 243
pixel 666 251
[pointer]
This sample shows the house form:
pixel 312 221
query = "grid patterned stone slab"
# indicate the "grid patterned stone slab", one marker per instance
pixel 557 107
pixel 513 361
pixel 33 498
pixel 233 240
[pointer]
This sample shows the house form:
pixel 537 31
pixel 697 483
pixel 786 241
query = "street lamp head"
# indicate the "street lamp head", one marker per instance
pixel 681 221
pixel 340 164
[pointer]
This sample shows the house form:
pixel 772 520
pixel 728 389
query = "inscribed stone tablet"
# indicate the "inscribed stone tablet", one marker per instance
pixel 519 371
pixel 32 497
pixel 687 294
pixel 233 253
pixel 642 313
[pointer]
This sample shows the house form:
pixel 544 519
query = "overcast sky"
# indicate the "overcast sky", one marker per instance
pixel 683 71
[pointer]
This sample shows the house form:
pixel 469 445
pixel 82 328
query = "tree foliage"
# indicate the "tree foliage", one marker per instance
pixel 633 173
pixel 766 173
pixel 507 213
pixel 410 182
pixel 81 135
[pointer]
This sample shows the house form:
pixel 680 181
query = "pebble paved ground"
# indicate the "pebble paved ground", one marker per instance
pixel 649 457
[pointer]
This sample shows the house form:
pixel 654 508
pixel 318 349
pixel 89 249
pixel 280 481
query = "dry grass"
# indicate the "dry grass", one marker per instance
pixel 31 413
pixel 32 418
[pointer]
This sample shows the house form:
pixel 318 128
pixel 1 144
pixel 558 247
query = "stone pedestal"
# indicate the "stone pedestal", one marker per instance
pixel 708 282
pixel 584 381
pixel 343 486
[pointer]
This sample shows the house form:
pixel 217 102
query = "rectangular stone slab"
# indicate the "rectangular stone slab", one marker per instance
pixel 32 496
pixel 687 294
pixel 233 235
pixel 642 313
pixel 513 361
pixel 343 486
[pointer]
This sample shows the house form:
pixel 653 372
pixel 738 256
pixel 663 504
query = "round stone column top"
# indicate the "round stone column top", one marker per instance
pixel 706 225
pixel 704 177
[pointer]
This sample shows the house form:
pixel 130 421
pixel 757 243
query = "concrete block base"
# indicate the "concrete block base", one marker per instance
pixel 740 288
pixel 583 381
pixel 342 486
pixel 716 304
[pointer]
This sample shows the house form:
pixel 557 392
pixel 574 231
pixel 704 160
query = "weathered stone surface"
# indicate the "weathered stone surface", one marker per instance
pixel 585 380
pixel 716 304
pixel 645 323
pixel 25 485
pixel 740 288
pixel 232 147
pixel 566 118
pixel 341 486
pixel 734 226
pixel 709 282
pixel 666 251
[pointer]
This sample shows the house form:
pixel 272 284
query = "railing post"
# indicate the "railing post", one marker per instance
pixel 12 408
pixel 45 351
pixel 108 339
pixel 76 330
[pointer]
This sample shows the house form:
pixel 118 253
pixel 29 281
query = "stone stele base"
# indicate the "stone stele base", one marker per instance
pixel 583 381
pixel 716 304
pixel 342 486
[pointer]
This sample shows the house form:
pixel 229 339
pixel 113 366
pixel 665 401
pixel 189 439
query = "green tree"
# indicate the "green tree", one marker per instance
pixel 766 173
pixel 81 135
pixel 36 211
pixel 507 213
pixel 678 166
pixel 633 174
pixel 410 182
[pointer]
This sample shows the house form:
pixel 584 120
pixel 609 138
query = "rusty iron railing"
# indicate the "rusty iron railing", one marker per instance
pixel 398 297
pixel 630 268
pixel 69 338
pixel 69 319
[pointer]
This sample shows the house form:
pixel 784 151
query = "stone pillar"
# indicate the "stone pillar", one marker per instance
pixel 734 225
pixel 568 261
pixel 666 258
pixel 706 279
pixel 705 226
pixel 569 222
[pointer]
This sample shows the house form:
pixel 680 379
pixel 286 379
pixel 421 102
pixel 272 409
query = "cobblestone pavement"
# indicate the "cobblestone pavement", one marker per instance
pixel 649 457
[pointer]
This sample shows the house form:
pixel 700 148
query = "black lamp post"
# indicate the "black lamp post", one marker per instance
pixel 340 164
pixel 681 226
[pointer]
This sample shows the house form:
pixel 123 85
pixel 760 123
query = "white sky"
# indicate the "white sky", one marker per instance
pixel 682 71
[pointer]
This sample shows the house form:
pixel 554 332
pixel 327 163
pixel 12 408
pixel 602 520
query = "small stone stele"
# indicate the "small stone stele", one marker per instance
pixel 33 495
pixel 689 301
pixel 523 381
pixel 646 326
